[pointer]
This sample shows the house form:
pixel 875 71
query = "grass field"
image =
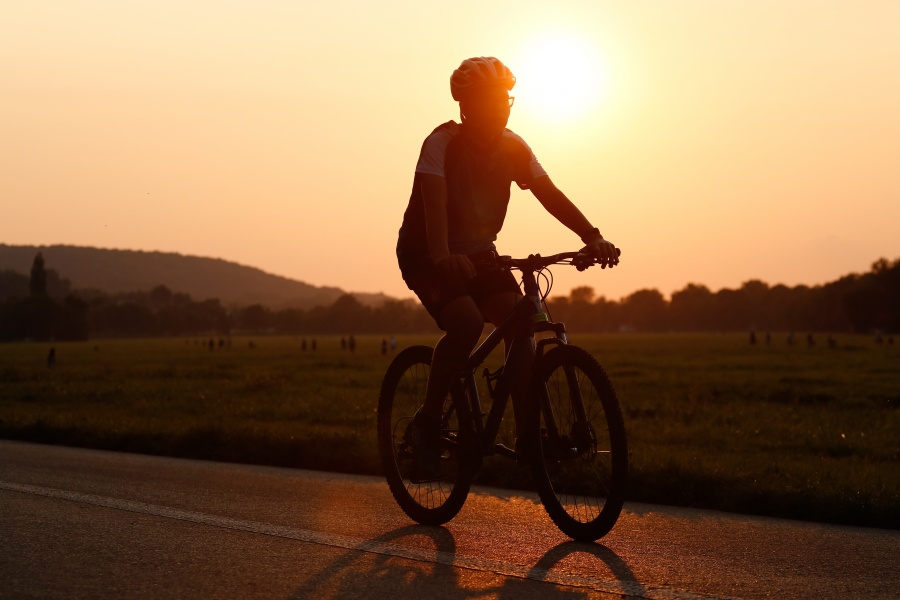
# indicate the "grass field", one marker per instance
pixel 803 432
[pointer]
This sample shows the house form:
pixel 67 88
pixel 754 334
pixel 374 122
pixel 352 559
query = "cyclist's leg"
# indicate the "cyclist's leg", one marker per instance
pixel 449 302
pixel 463 323
pixel 496 309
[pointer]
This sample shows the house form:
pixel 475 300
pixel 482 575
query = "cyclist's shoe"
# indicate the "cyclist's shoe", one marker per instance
pixel 425 439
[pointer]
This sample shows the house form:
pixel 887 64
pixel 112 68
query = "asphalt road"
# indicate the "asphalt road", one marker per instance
pixel 86 524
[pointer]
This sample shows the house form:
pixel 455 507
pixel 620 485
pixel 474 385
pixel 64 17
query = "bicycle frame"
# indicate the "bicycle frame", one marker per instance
pixel 526 319
pixel 570 430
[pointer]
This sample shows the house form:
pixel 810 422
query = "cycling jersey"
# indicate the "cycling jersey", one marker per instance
pixel 478 189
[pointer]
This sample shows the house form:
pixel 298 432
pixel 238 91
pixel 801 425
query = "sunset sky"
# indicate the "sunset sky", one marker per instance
pixel 713 141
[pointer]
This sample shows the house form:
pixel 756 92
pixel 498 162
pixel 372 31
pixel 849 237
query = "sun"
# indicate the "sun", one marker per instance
pixel 560 76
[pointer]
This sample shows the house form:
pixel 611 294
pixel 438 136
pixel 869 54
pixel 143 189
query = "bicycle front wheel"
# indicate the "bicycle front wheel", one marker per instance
pixel 583 462
pixel 438 499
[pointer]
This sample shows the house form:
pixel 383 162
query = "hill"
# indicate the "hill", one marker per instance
pixel 115 271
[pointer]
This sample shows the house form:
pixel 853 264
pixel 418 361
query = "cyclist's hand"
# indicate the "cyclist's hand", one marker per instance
pixel 457 266
pixel 605 252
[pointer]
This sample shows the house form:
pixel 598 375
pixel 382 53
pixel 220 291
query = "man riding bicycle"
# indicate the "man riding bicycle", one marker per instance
pixel 446 246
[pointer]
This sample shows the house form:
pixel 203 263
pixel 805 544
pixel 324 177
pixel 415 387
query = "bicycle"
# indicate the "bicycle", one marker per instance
pixel 579 455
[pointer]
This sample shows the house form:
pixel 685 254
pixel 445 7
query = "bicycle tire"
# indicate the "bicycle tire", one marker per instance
pixel 581 486
pixel 436 501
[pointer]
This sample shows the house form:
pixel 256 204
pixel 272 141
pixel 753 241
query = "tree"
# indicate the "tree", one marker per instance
pixel 581 313
pixel 690 308
pixel 584 294
pixel 255 317
pixel 750 309
pixel 874 301
pixel 645 310
pixel 160 297
pixel 13 285
pixel 38 282
pixel 348 314
pixel 121 319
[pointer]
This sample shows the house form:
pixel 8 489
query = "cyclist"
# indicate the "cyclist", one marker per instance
pixel 446 249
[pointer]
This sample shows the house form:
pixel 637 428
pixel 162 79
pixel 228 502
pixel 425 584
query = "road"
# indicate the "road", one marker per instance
pixel 79 523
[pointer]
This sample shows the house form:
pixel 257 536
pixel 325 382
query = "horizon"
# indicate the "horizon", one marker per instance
pixel 599 294
pixel 714 143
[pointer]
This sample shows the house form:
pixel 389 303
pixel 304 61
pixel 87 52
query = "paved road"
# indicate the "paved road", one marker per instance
pixel 81 523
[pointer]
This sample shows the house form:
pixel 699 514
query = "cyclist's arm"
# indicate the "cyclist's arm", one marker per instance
pixel 434 201
pixel 559 205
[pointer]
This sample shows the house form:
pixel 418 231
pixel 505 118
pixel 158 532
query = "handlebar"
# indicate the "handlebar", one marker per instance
pixel 536 262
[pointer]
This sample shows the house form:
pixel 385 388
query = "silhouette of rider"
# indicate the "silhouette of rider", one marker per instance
pixel 457 207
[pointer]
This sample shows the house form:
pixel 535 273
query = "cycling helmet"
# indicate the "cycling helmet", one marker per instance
pixel 478 73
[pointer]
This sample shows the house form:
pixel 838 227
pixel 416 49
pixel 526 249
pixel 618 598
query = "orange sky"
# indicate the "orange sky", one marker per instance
pixel 713 141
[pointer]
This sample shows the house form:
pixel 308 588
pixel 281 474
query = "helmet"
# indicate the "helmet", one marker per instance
pixel 478 73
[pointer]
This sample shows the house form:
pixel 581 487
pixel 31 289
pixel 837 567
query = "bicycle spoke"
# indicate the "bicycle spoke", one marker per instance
pixel 582 492
pixel 431 500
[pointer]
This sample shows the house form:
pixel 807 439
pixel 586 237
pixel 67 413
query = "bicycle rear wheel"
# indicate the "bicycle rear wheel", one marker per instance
pixel 584 459
pixel 436 500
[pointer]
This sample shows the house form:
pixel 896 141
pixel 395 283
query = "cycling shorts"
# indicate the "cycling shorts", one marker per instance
pixel 436 290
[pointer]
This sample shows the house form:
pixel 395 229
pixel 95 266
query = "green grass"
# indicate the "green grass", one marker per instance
pixel 802 432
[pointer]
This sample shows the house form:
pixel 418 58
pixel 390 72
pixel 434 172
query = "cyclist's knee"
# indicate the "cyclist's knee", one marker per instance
pixel 463 322
pixel 465 333
pixel 498 307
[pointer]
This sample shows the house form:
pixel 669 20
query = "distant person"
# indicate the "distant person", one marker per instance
pixel 384 346
pixel 446 248
pixel 221 343
pixel 303 345
pixel 810 341
pixel 313 345
pixel 393 342
pixel 51 358
pixel 752 338
pixel 351 343
pixel 343 344
pixel 212 344
pixel 790 338
pixel 832 343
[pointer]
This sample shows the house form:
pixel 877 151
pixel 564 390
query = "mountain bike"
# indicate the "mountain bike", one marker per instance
pixel 579 452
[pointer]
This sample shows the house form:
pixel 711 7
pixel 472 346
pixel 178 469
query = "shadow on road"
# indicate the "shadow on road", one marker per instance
pixel 364 572
pixel 620 570
pixel 426 564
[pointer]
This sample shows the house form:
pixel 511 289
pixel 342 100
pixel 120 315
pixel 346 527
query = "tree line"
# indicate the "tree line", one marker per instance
pixel 44 306
pixel 854 303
